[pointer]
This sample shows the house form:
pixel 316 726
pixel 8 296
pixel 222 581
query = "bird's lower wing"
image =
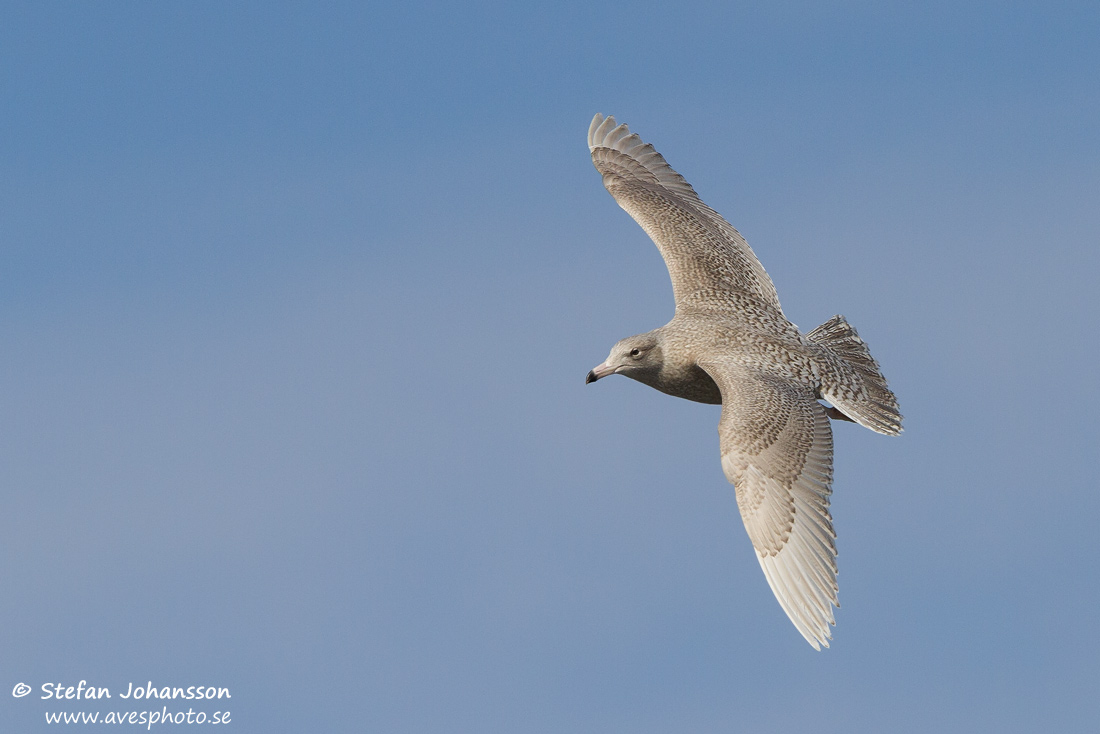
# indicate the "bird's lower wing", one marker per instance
pixel 777 450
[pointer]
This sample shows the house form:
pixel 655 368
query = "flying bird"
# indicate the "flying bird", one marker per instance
pixel 730 343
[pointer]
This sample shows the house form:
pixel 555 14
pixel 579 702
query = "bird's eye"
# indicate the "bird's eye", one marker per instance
pixel 635 352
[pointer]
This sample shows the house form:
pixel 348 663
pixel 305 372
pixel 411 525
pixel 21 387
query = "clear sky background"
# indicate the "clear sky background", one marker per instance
pixel 297 302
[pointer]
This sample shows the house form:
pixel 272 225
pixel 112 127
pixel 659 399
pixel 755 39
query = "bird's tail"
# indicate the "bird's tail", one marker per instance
pixel 857 389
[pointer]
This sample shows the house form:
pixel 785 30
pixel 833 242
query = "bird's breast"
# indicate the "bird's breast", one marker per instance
pixel 689 382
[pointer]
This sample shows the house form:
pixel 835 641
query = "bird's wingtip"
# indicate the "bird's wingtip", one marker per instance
pixel 597 131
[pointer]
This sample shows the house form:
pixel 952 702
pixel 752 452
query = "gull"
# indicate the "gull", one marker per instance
pixel 729 343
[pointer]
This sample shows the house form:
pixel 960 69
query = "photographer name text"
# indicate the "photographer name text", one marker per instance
pixel 83 690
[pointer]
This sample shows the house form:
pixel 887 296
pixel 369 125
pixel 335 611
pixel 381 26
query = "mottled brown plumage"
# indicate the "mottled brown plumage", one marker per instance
pixel 730 343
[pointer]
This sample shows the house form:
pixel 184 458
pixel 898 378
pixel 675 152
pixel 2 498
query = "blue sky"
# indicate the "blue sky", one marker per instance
pixel 296 305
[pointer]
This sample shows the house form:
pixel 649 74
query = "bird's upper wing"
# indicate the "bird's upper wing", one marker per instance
pixel 706 257
pixel 777 450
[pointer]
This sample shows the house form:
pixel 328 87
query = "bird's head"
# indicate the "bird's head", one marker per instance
pixel 636 356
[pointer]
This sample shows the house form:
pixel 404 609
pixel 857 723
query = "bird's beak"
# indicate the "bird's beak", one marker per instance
pixel 602 370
